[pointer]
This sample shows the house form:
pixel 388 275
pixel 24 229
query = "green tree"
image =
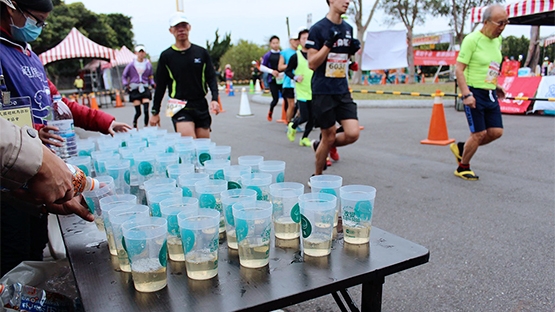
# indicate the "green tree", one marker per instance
pixel 513 46
pixel 121 24
pixel 240 57
pixel 218 48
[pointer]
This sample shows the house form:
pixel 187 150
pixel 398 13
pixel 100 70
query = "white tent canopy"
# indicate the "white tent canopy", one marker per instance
pixel 525 12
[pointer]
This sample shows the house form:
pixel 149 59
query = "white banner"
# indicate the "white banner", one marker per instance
pixel 385 50
pixel 546 89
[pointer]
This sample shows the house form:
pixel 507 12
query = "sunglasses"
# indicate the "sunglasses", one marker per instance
pixel 38 21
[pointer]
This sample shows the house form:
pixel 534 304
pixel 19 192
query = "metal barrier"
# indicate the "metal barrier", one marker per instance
pixel 443 94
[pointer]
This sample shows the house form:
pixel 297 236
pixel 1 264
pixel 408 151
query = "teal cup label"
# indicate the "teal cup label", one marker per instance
pixel 219 175
pixel 280 177
pixel 203 157
pixel 229 215
pixel 163 255
pixel 188 240
pixel 363 210
pixel 173 226
pixel 207 201
pixel 306 227
pixel 84 169
pixel 296 213
pixel 145 168
pixel 241 229
pixel 186 192
pixel 231 185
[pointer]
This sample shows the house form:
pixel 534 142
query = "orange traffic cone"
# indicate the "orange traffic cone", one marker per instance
pixel 436 79
pixel 396 79
pixel 423 79
pixel 366 80
pixel 283 113
pixel 383 79
pixel 437 134
pixel 94 104
pixel 119 103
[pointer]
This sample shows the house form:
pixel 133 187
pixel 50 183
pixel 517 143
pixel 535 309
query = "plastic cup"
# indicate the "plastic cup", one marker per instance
pixel 253 225
pixel 108 144
pixel 328 184
pixel 220 152
pixel 145 165
pixel 187 182
pixel 186 152
pixel 85 147
pixel 163 161
pixel 274 167
pixel 157 195
pixel 82 162
pixel 317 211
pixel 98 159
pixel 285 196
pixel 202 151
pixel 175 170
pixel 209 196
pixel 120 171
pixel 170 208
pixel 229 198
pixel 260 182
pixel 134 142
pixel 145 243
pixel 92 198
pixel 200 239
pixel 106 204
pixel 232 175
pixel 357 204
pixel 215 168
pixel 152 183
pixel 251 160
pixel 118 215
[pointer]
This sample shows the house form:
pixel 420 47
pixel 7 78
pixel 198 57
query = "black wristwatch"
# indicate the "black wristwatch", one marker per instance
pixel 154 112
pixel 464 97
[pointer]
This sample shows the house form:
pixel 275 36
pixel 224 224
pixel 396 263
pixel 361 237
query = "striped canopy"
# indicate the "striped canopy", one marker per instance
pixel 525 12
pixel 548 41
pixel 76 45
pixel 123 56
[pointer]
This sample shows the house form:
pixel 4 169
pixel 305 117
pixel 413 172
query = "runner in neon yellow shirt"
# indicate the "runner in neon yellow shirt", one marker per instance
pixel 477 69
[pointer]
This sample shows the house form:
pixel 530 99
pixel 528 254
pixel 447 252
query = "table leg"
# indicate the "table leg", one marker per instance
pixel 371 300
pixel 339 302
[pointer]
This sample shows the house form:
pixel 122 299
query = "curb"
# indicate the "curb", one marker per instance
pixel 428 103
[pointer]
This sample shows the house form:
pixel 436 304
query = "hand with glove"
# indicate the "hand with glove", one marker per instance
pixel 335 34
pixel 355 46
pixel 353 66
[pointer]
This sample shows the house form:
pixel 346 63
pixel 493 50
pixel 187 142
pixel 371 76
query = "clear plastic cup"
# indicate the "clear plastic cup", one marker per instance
pixel 186 152
pixel 285 196
pixel 253 227
pixel 92 198
pixel 118 215
pixel 328 184
pixel 82 162
pixel 108 144
pixel 232 175
pixel 229 198
pixel 209 196
pixel 163 161
pixel 200 239
pixel 187 182
pixel 158 194
pixel 98 159
pixel 85 147
pixel 202 150
pixel 220 152
pixel 145 243
pixel 260 182
pixel 317 211
pixel 145 164
pixel 357 204
pixel 152 183
pixel 274 167
pixel 106 204
pixel 170 208
pixel 120 171
pixel 251 160
pixel 215 168
pixel 175 170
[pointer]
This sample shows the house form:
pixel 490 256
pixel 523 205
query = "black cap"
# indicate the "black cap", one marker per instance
pixel 36 5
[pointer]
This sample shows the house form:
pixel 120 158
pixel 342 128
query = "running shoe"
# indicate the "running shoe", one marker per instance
pixel 299 129
pixel 305 142
pixel 466 174
pixel 457 150
pixel 291 132
pixel 314 144
pixel 334 154
pixel 269 116
pixel 328 162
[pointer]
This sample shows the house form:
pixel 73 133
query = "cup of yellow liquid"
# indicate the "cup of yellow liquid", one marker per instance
pixel 357 206
pixel 253 228
pixel 317 211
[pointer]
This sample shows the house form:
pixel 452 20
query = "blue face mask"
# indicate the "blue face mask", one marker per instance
pixel 28 33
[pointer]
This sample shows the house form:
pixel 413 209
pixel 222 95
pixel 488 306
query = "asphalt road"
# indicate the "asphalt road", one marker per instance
pixel 491 242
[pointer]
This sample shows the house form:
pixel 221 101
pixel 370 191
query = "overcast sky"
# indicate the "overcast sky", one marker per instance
pixel 252 20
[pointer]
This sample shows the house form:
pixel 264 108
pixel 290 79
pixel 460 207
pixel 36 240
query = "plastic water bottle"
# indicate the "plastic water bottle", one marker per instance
pixel 81 182
pixel 61 117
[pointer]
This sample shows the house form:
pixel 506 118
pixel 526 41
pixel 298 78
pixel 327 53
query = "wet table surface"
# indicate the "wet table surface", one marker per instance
pixel 288 279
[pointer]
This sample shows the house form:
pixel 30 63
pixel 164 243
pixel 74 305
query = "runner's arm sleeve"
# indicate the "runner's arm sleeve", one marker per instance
pixel 210 75
pixel 265 69
pixel 162 80
pixel 291 66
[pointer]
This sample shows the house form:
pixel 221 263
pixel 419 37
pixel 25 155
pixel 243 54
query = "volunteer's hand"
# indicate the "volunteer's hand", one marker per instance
pixel 154 121
pixel 76 206
pixel 117 126
pixel 215 107
pixel 50 138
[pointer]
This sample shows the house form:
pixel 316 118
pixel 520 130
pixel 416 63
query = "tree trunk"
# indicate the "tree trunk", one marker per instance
pixel 410 55
pixel 533 57
pixel 357 75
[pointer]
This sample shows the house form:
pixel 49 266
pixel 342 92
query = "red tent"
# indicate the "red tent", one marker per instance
pixel 76 45
pixel 123 56
pixel 525 12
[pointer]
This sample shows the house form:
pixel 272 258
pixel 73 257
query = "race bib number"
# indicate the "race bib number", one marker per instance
pixel 174 106
pixel 336 65
pixel 493 73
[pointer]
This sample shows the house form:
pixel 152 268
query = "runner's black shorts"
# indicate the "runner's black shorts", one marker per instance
pixel 487 113
pixel 288 93
pixel 328 109
pixel 196 111
pixel 135 95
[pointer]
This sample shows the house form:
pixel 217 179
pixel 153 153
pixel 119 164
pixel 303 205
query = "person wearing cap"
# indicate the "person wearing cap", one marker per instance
pixel 228 75
pixel 330 44
pixel 186 71
pixel 138 78
pixel 288 87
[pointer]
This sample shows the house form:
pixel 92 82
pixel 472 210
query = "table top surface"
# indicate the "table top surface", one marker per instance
pixel 288 279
